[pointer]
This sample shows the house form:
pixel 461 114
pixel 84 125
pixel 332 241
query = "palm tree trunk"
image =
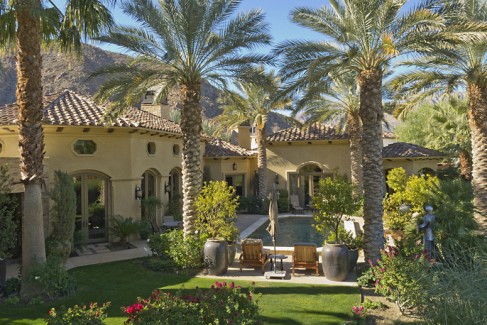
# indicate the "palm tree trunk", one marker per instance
pixel 192 175
pixel 262 159
pixel 31 138
pixel 477 119
pixel 465 168
pixel 354 128
pixel 370 83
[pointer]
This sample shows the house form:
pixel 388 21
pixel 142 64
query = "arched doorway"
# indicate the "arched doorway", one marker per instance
pixel 92 206
pixel 305 181
pixel 148 185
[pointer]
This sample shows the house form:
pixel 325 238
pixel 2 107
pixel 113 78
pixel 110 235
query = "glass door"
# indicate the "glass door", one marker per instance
pixel 91 207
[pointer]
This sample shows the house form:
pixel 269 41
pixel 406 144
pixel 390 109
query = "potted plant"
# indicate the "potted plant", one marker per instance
pixel 148 223
pixel 334 201
pixel 354 245
pixel 8 226
pixel 123 227
pixel 216 208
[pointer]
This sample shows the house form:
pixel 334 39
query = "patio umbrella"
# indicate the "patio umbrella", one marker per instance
pixel 273 228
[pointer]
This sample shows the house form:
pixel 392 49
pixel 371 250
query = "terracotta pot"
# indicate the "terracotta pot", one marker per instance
pixel 216 256
pixel 336 264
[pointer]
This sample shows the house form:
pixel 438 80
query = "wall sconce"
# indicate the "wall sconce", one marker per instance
pixel 234 166
pixel 167 187
pixel 138 192
pixel 277 179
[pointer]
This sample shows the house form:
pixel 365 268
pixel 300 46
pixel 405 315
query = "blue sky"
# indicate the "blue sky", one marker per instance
pixel 277 15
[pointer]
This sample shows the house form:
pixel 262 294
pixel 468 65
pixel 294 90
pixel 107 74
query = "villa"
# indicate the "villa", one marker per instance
pixel 114 166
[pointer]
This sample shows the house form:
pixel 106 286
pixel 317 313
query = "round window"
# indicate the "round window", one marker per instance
pixel 151 148
pixel 175 149
pixel 84 147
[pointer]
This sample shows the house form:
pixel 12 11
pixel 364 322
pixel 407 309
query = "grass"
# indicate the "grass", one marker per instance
pixel 122 282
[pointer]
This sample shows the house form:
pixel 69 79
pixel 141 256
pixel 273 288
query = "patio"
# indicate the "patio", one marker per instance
pixel 246 223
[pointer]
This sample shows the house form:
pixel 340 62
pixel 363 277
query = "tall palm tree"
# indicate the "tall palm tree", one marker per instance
pixel 257 95
pixel 447 129
pixel 24 25
pixel 362 37
pixel 338 103
pixel 181 43
pixel 461 67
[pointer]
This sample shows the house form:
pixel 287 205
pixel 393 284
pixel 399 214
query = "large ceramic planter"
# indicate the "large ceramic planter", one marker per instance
pixel 232 252
pixel 3 271
pixel 216 256
pixel 352 258
pixel 336 264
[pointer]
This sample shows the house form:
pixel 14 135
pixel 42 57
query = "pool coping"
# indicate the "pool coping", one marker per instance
pixel 279 249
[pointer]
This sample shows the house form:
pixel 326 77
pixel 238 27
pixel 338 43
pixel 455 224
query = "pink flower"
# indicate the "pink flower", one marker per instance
pixel 232 285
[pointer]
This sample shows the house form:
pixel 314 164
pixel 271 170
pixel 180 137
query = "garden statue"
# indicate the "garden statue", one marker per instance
pixel 428 238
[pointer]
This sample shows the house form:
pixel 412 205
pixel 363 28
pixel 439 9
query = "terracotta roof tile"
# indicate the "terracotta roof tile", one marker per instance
pixel 70 108
pixel 219 148
pixel 316 131
pixel 408 150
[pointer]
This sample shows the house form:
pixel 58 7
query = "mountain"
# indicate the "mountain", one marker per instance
pixel 63 71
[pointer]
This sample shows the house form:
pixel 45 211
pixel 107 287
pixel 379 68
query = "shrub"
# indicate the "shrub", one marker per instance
pixel 159 244
pixel 79 315
pixel 150 206
pixel 457 294
pixel 283 201
pixel 123 227
pixel 11 287
pixel 8 226
pixel 62 216
pixel 221 304
pixel 186 252
pixel 175 206
pixel 216 208
pixel 252 205
pixel 53 279
pixel 402 279
pixel 414 190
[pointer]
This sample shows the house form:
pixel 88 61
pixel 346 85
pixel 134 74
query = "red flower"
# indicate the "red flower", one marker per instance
pixel 232 285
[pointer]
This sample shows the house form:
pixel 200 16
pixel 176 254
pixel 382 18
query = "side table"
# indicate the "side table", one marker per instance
pixel 277 256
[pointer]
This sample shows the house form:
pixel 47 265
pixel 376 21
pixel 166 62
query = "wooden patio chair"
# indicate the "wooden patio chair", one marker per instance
pixel 253 254
pixel 295 204
pixel 305 255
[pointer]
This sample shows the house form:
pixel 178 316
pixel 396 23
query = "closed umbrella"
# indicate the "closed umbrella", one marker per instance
pixel 273 228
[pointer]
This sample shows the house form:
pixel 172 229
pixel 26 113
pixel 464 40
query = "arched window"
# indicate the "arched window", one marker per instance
pixel 148 184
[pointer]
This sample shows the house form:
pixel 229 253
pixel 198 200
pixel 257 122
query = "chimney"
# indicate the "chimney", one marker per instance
pixel 244 137
pixel 148 104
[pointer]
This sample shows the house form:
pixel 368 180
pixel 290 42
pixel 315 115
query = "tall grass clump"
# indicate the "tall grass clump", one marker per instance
pixel 457 294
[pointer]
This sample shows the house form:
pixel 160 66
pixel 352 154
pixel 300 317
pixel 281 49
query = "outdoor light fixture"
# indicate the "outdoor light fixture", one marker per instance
pixel 277 179
pixel 138 192
pixel 234 166
pixel 167 187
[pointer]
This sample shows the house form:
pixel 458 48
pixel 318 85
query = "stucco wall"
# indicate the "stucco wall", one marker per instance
pixel 284 158
pixel 220 168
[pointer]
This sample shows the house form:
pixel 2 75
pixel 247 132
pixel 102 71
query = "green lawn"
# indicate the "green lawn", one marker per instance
pixel 122 282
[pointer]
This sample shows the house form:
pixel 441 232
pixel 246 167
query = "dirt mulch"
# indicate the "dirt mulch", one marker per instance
pixel 389 315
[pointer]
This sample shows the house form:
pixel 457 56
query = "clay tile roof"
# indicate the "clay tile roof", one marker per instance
pixel 408 150
pixel 316 131
pixel 219 148
pixel 70 108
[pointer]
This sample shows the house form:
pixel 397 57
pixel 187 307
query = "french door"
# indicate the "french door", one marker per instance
pixel 91 206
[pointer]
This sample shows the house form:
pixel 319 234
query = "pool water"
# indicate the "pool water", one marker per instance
pixel 292 230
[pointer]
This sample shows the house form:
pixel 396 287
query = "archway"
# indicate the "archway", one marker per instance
pixel 93 201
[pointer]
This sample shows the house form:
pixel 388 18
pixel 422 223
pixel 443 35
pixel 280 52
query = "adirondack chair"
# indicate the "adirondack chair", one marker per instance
pixel 253 254
pixel 305 255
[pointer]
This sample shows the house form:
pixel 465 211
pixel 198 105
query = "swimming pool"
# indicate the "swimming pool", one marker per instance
pixel 292 230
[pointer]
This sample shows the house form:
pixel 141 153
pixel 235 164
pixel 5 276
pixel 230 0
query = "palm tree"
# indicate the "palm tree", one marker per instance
pixel 181 43
pixel 363 37
pixel 24 25
pixel 338 102
pixel 447 129
pixel 257 95
pixel 460 67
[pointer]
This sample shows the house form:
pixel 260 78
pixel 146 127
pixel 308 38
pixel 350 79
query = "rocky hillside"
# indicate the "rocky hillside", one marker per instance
pixel 62 71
